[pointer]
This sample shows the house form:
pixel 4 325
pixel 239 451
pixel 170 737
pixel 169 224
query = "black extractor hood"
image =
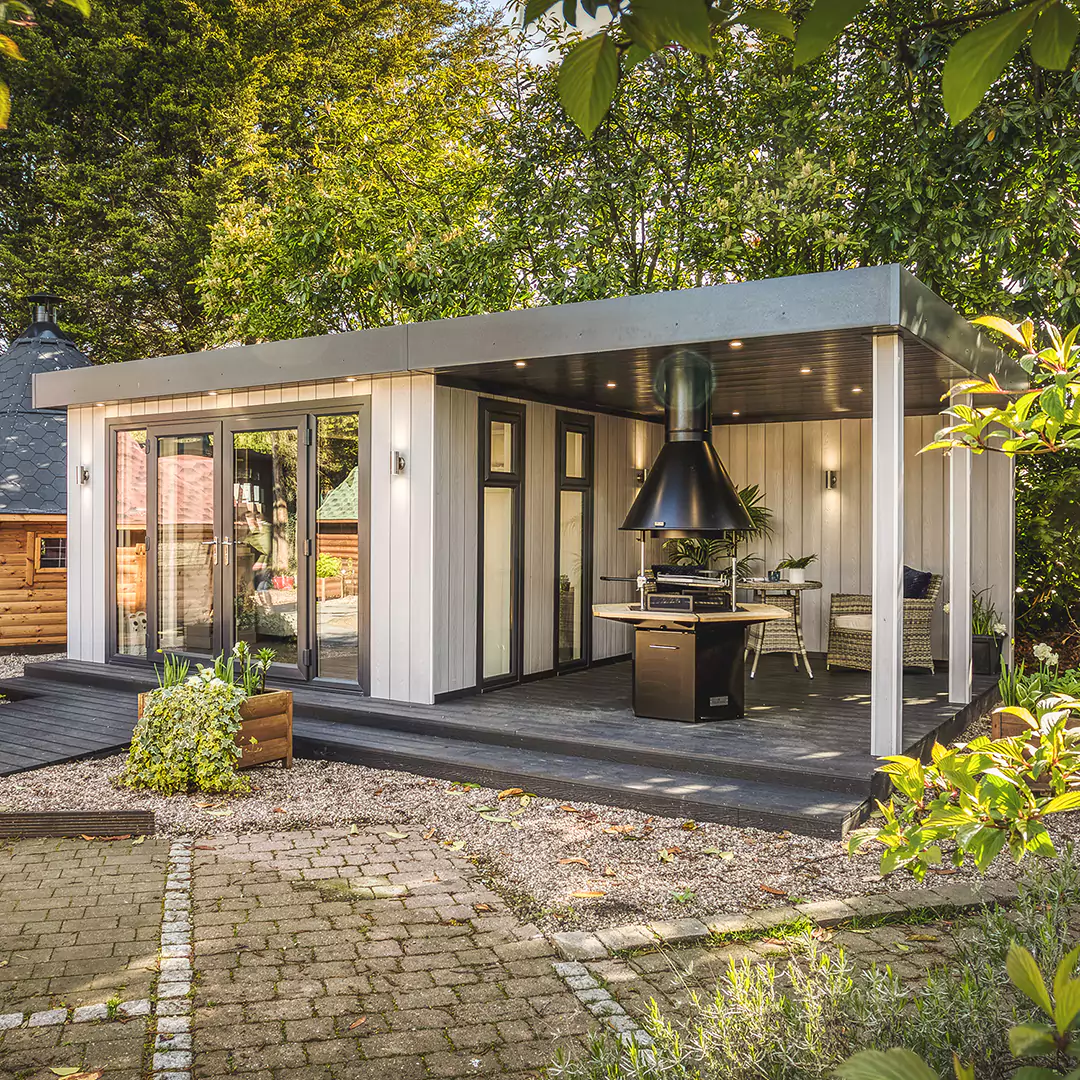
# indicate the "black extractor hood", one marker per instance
pixel 688 491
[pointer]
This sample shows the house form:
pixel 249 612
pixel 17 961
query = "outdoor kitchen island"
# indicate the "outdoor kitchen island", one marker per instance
pixel 689 665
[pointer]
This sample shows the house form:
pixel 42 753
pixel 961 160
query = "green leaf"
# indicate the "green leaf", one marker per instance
pixel 587 81
pixel 9 49
pixel 1003 326
pixel 1069 801
pixel 82 6
pixel 822 24
pixel 1067 1006
pixel 1053 38
pixel 534 9
pixel 1033 1072
pixel 5 105
pixel 979 57
pixel 1025 976
pixel 1031 1040
pixel 773 22
pixel 895 1064
pixel 684 21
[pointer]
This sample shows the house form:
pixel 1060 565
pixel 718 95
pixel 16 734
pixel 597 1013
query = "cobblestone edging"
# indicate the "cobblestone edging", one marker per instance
pixel 577 945
pixel 125 1010
pixel 598 1000
pixel 173 1054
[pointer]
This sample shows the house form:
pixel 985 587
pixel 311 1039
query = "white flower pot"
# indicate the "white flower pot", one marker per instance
pixel 797 575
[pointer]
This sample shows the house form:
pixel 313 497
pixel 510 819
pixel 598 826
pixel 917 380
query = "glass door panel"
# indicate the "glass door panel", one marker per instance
pixel 571 592
pixel 337 548
pixel 186 543
pixel 498 635
pixel 265 578
pixel 130 539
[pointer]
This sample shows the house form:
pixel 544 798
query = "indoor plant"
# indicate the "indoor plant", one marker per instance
pixel 987 634
pixel 691 551
pixel 264 731
pixel 796 568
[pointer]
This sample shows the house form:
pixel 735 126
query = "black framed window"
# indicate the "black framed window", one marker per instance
pixel 573 540
pixel 501 543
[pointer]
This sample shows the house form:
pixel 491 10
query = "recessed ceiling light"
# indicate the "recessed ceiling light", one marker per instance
pixel 350 378
pixel 212 393
pixel 856 389
pixel 804 371
pixel 100 404
pixel 735 413
pixel 736 344
pixel 611 386
pixel 519 363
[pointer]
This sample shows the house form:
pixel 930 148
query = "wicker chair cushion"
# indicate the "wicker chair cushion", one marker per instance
pixel 916 583
pixel 864 623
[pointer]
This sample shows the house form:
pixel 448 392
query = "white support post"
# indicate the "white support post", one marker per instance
pixel 960 574
pixel 1009 611
pixel 887 657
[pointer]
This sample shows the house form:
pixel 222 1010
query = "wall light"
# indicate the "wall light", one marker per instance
pixel 641 475
pixel 804 371
pixel 350 378
pixel 211 393
pixel 82 475
pixel 100 404
pixel 736 413
pixel 856 389
pixel 830 479
pixel 611 386
pixel 397 462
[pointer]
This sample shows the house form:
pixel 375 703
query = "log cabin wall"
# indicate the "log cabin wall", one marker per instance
pixel 33 608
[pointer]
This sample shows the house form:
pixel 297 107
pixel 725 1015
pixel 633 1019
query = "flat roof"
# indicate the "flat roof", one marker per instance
pixel 572 351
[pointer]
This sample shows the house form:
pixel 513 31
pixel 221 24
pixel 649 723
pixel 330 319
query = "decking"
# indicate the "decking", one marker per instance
pixel 797 761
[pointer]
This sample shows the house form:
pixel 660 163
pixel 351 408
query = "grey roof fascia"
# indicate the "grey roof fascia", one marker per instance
pixel 311 359
pixel 836 300
pixel 929 318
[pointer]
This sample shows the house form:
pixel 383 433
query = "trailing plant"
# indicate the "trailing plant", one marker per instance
pixel 185 739
pixel 818 1010
pixel 789 562
pixel 982 797
pixel 1054 1041
pixel 985 618
pixel 173 671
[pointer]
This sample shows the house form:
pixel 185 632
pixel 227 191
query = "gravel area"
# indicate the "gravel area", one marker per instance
pixel 13 661
pixel 566 866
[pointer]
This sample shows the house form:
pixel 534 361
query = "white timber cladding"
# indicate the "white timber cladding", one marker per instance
pixel 402 516
pixel 835 525
pixel 621 447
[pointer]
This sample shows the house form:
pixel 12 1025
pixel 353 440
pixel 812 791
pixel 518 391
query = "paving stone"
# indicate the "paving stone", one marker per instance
pixel 874 904
pixel 825 912
pixel 730 924
pixel 11 1020
pixel 580 982
pixel 90 1012
pixel 675 931
pixel 47 1017
pixel 619 938
pixel 770 918
pixel 576 945
pixel 568 968
pixel 172 1059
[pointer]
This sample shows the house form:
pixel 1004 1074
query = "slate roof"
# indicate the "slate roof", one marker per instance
pixel 33 442
pixel 342 502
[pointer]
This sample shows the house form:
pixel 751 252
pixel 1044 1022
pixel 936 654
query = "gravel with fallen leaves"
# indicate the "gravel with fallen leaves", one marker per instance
pixel 564 865
pixel 13 662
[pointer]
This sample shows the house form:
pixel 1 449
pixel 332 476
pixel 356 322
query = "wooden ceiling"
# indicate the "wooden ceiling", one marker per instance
pixel 760 382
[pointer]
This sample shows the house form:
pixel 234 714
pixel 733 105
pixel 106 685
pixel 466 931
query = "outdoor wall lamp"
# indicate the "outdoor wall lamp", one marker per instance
pixel 640 475
pixel 397 462
pixel 830 479
pixel 82 475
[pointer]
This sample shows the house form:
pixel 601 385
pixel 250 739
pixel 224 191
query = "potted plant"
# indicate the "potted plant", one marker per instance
pixel 329 583
pixel 987 634
pixel 796 568
pixel 691 551
pixel 260 723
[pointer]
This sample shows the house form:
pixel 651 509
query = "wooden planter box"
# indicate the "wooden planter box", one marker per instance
pixel 1007 726
pixel 267 718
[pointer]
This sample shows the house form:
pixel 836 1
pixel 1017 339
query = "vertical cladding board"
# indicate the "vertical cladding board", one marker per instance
pixel 381 443
pixel 419 576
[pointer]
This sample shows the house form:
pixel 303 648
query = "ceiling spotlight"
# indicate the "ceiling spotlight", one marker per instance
pixel 856 389
pixel 735 413
pixel 519 363
pixel 100 404
pixel 350 378
pixel 611 386
pixel 211 393
pixel 736 344
pixel 804 371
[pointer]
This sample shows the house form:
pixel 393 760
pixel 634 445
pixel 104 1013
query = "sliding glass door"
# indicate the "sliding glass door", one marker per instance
pixel 250 530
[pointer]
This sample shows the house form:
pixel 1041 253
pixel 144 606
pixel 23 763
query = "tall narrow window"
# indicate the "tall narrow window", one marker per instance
pixel 337 547
pixel 502 536
pixel 573 539
pixel 131 543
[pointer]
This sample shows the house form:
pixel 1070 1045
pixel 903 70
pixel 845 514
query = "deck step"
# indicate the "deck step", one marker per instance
pixel 728 801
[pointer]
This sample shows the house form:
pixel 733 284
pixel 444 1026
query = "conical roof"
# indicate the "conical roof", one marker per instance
pixel 33 442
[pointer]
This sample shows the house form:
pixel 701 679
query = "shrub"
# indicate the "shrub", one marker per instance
pixel 802 1021
pixel 327 566
pixel 184 740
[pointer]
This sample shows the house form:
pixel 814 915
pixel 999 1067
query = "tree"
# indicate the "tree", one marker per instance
pixel 134 128
pixel 638 28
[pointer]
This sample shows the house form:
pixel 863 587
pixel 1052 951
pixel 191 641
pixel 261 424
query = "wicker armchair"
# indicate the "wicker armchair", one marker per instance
pixel 850 647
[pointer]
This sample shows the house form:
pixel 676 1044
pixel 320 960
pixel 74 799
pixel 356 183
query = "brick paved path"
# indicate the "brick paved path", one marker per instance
pixel 300 935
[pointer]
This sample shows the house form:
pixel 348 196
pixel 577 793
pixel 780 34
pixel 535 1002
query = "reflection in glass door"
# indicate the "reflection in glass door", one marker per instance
pixel 186 540
pixel 266 585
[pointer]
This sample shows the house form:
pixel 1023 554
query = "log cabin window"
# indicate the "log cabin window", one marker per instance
pixel 51 552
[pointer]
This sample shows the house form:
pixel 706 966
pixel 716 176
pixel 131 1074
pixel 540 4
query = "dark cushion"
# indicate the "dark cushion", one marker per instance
pixel 916 583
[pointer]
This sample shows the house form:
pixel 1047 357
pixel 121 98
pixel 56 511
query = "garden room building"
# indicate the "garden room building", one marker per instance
pixel 413 516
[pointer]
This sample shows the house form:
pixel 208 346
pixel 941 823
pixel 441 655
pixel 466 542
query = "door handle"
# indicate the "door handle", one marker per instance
pixel 207 543
pixel 226 543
